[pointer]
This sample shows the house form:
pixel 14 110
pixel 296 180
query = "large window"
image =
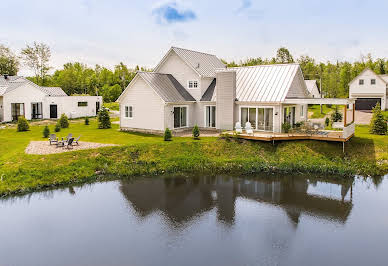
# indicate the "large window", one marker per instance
pixel 180 116
pixel 82 104
pixel 128 111
pixel 17 109
pixel 260 118
pixel 36 111
pixel 210 116
pixel 193 84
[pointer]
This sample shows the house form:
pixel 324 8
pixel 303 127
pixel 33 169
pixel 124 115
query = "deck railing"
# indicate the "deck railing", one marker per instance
pixel 348 130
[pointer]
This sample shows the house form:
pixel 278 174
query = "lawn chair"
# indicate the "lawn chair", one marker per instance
pixel 238 127
pixel 77 139
pixel 68 144
pixel 53 139
pixel 248 128
pixel 69 136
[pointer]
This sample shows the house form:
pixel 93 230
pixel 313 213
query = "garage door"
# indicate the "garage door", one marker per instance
pixel 367 103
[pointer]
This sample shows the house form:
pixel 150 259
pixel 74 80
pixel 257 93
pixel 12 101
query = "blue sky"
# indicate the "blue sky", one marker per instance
pixel 140 32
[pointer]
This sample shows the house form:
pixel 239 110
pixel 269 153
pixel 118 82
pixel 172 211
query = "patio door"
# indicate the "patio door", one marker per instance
pixel 265 119
pixel 180 116
pixel 17 109
pixel 210 114
pixel 36 111
pixel 289 115
pixel 248 114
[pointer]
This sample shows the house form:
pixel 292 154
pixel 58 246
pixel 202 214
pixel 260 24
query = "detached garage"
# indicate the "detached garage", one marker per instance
pixel 367 103
pixel 368 89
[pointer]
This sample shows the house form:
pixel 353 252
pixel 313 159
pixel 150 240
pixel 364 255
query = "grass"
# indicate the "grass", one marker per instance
pixel 112 106
pixel 141 154
pixel 315 111
pixel 385 114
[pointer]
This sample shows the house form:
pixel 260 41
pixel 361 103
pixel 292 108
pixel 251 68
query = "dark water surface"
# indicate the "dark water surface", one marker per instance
pixel 272 220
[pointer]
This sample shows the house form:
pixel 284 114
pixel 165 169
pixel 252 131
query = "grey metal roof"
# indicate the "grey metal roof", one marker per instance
pixel 204 64
pixel 311 84
pixel 167 87
pixel 13 82
pixel 209 94
pixel 264 83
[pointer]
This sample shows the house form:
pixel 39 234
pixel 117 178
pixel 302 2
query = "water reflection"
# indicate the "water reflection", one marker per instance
pixel 183 199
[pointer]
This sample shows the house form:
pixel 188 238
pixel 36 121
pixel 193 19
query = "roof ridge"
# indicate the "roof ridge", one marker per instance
pixel 174 47
pixel 267 65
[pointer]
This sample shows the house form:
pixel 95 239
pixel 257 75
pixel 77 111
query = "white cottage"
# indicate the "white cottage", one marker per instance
pixel 21 97
pixel 190 88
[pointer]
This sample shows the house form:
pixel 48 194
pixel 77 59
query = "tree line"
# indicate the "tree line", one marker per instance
pixel 78 78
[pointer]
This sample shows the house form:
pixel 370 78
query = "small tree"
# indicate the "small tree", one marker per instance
pixel 86 120
pixel 378 125
pixel 336 116
pixel 23 124
pixel 196 132
pixel 46 132
pixel 63 121
pixel 104 119
pixel 167 135
pixel 327 121
pixel 57 127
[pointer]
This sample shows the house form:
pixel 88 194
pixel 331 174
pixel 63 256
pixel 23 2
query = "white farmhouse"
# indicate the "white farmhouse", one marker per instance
pixel 21 97
pixel 190 88
pixel 368 89
pixel 312 88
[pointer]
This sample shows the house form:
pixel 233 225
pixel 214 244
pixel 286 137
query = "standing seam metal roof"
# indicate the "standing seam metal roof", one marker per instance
pixel 204 64
pixel 167 87
pixel 13 82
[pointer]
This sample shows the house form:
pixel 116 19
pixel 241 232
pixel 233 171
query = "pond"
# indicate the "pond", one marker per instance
pixel 221 220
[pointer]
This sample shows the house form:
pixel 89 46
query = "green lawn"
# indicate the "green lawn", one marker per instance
pixel 141 154
pixel 315 111
pixel 112 106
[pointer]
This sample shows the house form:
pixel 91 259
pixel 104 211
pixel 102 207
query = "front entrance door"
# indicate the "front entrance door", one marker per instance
pixel 289 115
pixel 97 107
pixel 53 111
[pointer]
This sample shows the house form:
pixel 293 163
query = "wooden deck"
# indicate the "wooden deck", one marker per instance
pixel 335 136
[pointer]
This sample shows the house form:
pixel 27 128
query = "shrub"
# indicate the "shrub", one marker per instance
pixel 63 121
pixel 327 121
pixel 196 132
pixel 286 127
pixel 167 135
pixel 46 132
pixel 378 125
pixel 57 127
pixel 86 120
pixel 104 119
pixel 23 124
pixel 336 116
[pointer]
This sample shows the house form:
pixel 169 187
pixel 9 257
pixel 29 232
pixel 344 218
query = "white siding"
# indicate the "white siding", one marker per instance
pixel 205 82
pixel 148 108
pixel 182 72
pixel 298 87
pixel 226 95
pixel 1 109
pixel 169 115
pixel 68 105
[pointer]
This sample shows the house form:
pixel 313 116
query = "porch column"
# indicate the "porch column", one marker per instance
pixel 354 112
pixel 345 114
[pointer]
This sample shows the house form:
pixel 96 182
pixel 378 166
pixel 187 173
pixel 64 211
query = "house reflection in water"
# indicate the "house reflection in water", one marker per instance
pixel 183 199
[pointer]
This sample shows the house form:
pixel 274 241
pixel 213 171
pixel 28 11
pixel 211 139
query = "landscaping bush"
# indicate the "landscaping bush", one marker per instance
pixel 286 127
pixel 336 116
pixel 57 127
pixel 167 135
pixel 23 124
pixel 46 132
pixel 196 132
pixel 327 121
pixel 103 119
pixel 63 121
pixel 378 125
pixel 86 120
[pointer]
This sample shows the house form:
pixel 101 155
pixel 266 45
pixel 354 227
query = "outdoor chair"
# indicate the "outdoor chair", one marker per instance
pixel 238 127
pixel 68 144
pixel 248 128
pixel 69 136
pixel 53 139
pixel 77 139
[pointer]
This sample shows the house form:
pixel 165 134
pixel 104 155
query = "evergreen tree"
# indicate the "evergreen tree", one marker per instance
pixel 167 135
pixel 378 125
pixel 196 132
pixel 46 132
pixel 23 124
pixel 63 121
pixel 103 119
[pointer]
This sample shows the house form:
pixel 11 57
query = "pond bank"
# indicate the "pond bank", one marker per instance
pixel 214 157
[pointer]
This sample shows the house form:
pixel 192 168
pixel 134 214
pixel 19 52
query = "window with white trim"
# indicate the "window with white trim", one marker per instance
pixel 361 82
pixel 128 111
pixel 192 84
pixel 373 81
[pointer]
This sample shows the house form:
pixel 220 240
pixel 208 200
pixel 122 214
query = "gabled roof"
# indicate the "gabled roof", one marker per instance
pixel 12 82
pixel 311 84
pixel 265 83
pixel 202 63
pixel 383 78
pixel 209 94
pixel 167 87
